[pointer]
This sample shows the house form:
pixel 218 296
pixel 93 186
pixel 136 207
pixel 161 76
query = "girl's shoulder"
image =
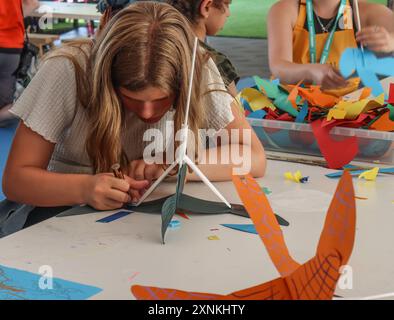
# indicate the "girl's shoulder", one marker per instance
pixel 75 54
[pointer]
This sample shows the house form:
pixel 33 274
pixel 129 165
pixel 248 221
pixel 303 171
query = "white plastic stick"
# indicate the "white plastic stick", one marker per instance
pixel 189 94
pixel 358 21
pixel 192 165
pixel 157 182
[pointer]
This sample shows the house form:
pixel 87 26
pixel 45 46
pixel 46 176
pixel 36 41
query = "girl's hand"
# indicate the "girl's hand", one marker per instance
pixel 105 192
pixel 376 38
pixel 326 76
pixel 140 170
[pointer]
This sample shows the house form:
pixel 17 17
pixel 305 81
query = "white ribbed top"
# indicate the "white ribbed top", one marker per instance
pixel 50 108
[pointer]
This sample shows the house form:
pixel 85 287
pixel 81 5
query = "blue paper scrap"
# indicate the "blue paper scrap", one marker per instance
pixel 338 174
pixel 174 224
pixel 249 228
pixel 114 216
pixel 23 285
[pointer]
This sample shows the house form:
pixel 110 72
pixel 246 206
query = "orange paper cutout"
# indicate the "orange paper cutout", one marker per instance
pixel 293 94
pixel 316 279
pixel 315 96
pixel 366 93
pixel 384 123
pixel 353 85
pixel 260 211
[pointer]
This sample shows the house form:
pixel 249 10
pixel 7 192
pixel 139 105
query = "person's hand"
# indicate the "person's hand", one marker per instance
pixel 376 39
pixel 105 192
pixel 327 77
pixel 140 171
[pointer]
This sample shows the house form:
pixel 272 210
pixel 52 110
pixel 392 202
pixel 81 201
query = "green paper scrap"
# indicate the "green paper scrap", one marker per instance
pixel 278 96
pixel 76 211
pixel 391 112
pixel 170 206
pixel 187 204
pixel 271 90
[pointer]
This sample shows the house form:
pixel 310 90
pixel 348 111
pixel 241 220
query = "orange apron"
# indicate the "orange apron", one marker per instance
pixel 342 39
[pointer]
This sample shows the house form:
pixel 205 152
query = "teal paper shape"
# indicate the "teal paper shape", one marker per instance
pixel 249 228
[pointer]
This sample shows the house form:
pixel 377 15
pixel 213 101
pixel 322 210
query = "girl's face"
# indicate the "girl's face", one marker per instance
pixel 150 104
pixel 217 18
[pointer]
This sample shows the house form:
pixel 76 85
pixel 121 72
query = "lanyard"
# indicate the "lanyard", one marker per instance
pixel 312 32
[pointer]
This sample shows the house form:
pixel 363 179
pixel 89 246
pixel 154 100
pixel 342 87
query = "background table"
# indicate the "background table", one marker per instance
pixel 128 251
pixel 64 10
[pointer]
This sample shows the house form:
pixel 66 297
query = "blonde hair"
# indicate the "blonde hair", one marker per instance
pixel 146 44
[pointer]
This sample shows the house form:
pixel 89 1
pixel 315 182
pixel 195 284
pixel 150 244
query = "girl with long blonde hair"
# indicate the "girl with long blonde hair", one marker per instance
pixel 91 102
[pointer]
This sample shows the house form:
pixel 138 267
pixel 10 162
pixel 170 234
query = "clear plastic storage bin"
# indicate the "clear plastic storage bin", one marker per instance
pixel 291 137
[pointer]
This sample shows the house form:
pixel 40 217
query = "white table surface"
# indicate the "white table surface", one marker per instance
pixel 64 10
pixel 109 255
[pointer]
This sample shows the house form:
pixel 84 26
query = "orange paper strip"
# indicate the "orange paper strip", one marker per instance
pixel 260 211
pixel 315 279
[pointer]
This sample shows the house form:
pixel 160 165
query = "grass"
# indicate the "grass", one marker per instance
pixel 249 18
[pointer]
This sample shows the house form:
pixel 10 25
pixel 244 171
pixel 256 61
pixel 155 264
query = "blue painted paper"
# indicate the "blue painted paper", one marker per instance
pixel 276 81
pixel 246 105
pixel 303 113
pixel 367 66
pixel 259 114
pixel 339 174
pixel 23 285
pixel 247 82
pixel 114 216
pixel 249 228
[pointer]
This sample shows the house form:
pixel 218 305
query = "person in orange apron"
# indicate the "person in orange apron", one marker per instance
pixel 307 37
pixel 12 36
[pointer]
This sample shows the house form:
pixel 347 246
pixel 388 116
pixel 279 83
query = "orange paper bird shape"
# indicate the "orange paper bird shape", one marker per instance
pixel 313 280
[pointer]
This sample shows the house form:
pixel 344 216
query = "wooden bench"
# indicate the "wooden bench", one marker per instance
pixel 42 40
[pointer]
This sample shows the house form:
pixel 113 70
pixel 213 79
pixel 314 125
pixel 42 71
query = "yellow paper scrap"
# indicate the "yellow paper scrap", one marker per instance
pixel 350 110
pixel 256 99
pixel 296 177
pixel 370 175
pixel 213 238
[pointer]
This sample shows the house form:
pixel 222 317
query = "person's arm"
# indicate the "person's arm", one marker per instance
pixel 26 179
pixel 29 6
pixel 281 21
pixel 221 162
pixel 238 156
pixel 377 27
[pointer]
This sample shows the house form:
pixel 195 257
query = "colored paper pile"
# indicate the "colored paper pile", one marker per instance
pixel 296 103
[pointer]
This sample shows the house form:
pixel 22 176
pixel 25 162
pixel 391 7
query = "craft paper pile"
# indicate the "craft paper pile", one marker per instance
pixel 324 110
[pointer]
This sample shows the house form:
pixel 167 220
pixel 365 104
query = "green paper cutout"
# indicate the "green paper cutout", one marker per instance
pixel 76 211
pixel 278 96
pixel 391 110
pixel 171 204
pixel 187 204
pixel 271 89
